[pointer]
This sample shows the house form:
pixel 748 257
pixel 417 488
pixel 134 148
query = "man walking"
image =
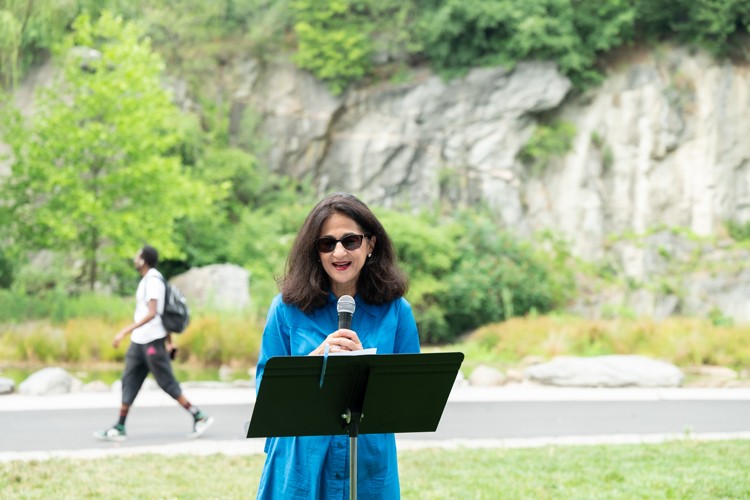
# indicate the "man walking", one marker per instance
pixel 147 352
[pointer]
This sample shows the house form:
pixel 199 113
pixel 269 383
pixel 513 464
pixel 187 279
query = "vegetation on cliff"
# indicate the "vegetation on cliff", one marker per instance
pixel 108 142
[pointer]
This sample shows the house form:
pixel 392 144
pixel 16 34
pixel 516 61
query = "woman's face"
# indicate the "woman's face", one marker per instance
pixel 341 265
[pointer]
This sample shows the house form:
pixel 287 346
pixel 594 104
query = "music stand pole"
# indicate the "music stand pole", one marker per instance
pixel 352 419
pixel 353 416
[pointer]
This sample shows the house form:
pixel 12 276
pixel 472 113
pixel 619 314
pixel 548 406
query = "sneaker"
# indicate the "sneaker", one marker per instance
pixel 201 425
pixel 116 433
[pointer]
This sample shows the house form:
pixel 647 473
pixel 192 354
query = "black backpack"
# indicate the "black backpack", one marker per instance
pixel 176 315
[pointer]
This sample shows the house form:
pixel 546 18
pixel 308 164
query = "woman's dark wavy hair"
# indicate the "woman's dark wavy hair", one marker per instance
pixel 306 285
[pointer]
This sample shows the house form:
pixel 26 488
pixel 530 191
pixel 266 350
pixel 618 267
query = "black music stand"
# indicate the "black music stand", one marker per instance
pixel 367 394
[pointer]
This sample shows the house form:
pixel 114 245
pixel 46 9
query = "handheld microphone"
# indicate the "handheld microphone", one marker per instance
pixel 345 308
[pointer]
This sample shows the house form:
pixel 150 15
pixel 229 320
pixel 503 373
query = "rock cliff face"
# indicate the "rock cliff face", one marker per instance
pixel 661 143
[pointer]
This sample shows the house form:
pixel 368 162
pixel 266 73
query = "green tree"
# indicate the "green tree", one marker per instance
pixel 720 26
pixel 94 172
pixel 332 41
pixel 28 30
pixel 457 35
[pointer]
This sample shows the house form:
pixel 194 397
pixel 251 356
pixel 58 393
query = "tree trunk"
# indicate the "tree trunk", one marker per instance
pixel 93 258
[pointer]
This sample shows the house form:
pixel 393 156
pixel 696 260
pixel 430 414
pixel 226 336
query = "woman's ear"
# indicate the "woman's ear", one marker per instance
pixel 371 245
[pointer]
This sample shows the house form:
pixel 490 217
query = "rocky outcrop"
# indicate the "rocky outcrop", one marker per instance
pixel 409 144
pixel 661 143
pixel 605 371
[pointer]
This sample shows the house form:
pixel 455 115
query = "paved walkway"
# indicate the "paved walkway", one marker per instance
pixel 244 396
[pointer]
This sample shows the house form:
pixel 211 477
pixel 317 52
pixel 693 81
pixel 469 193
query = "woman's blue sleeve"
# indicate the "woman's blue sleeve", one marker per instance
pixel 275 341
pixel 407 336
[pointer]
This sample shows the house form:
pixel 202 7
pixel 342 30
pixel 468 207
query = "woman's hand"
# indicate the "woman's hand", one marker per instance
pixel 340 340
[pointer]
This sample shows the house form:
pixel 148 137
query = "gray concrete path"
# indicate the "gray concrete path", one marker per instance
pixel 20 406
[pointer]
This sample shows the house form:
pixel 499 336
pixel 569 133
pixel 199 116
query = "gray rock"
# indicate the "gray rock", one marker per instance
pixel 605 371
pixel 713 372
pixel 7 386
pixel 225 373
pixel 460 380
pixel 52 380
pixel 486 376
pixel 95 386
pixel 218 286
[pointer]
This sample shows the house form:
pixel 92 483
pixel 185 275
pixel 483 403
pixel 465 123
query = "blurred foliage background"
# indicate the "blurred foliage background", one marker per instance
pixel 109 162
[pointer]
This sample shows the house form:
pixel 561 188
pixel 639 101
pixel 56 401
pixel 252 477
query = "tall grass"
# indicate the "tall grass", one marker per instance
pixel 211 338
pixel 81 332
pixel 682 341
pixel 56 328
pixel 214 338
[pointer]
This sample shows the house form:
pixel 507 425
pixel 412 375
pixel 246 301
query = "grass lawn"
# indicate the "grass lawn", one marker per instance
pixel 678 469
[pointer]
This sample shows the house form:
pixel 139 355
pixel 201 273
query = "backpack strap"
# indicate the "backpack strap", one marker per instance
pixel 165 291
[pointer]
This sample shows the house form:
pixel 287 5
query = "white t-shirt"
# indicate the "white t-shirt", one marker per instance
pixel 150 287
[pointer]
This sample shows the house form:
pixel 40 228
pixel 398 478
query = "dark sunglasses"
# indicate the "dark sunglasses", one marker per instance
pixel 327 244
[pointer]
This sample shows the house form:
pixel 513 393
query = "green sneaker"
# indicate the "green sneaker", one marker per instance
pixel 115 433
pixel 200 425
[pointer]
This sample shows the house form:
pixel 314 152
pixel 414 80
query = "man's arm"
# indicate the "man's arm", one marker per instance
pixel 129 329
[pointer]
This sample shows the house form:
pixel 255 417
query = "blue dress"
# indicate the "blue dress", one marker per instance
pixel 313 467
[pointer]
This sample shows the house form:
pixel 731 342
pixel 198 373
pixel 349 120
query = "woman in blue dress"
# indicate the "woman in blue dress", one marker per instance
pixel 341 249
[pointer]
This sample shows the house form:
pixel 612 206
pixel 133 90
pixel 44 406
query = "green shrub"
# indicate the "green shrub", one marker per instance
pixel 58 306
pixel 738 231
pixel 465 272
pixel 458 35
pixel 427 252
pixel 718 26
pixel 332 43
pixel 261 242
pixel 500 275
pixel 547 142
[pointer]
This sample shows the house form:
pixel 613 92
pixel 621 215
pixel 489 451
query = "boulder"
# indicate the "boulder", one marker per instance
pixel 224 287
pixel 486 376
pixel 605 371
pixel 7 386
pixel 95 386
pixel 225 373
pixel 52 380
pixel 460 380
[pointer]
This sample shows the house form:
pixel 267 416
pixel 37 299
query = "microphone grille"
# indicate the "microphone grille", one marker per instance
pixel 346 304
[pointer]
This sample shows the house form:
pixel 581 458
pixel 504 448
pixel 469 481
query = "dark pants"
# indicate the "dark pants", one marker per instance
pixel 142 359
